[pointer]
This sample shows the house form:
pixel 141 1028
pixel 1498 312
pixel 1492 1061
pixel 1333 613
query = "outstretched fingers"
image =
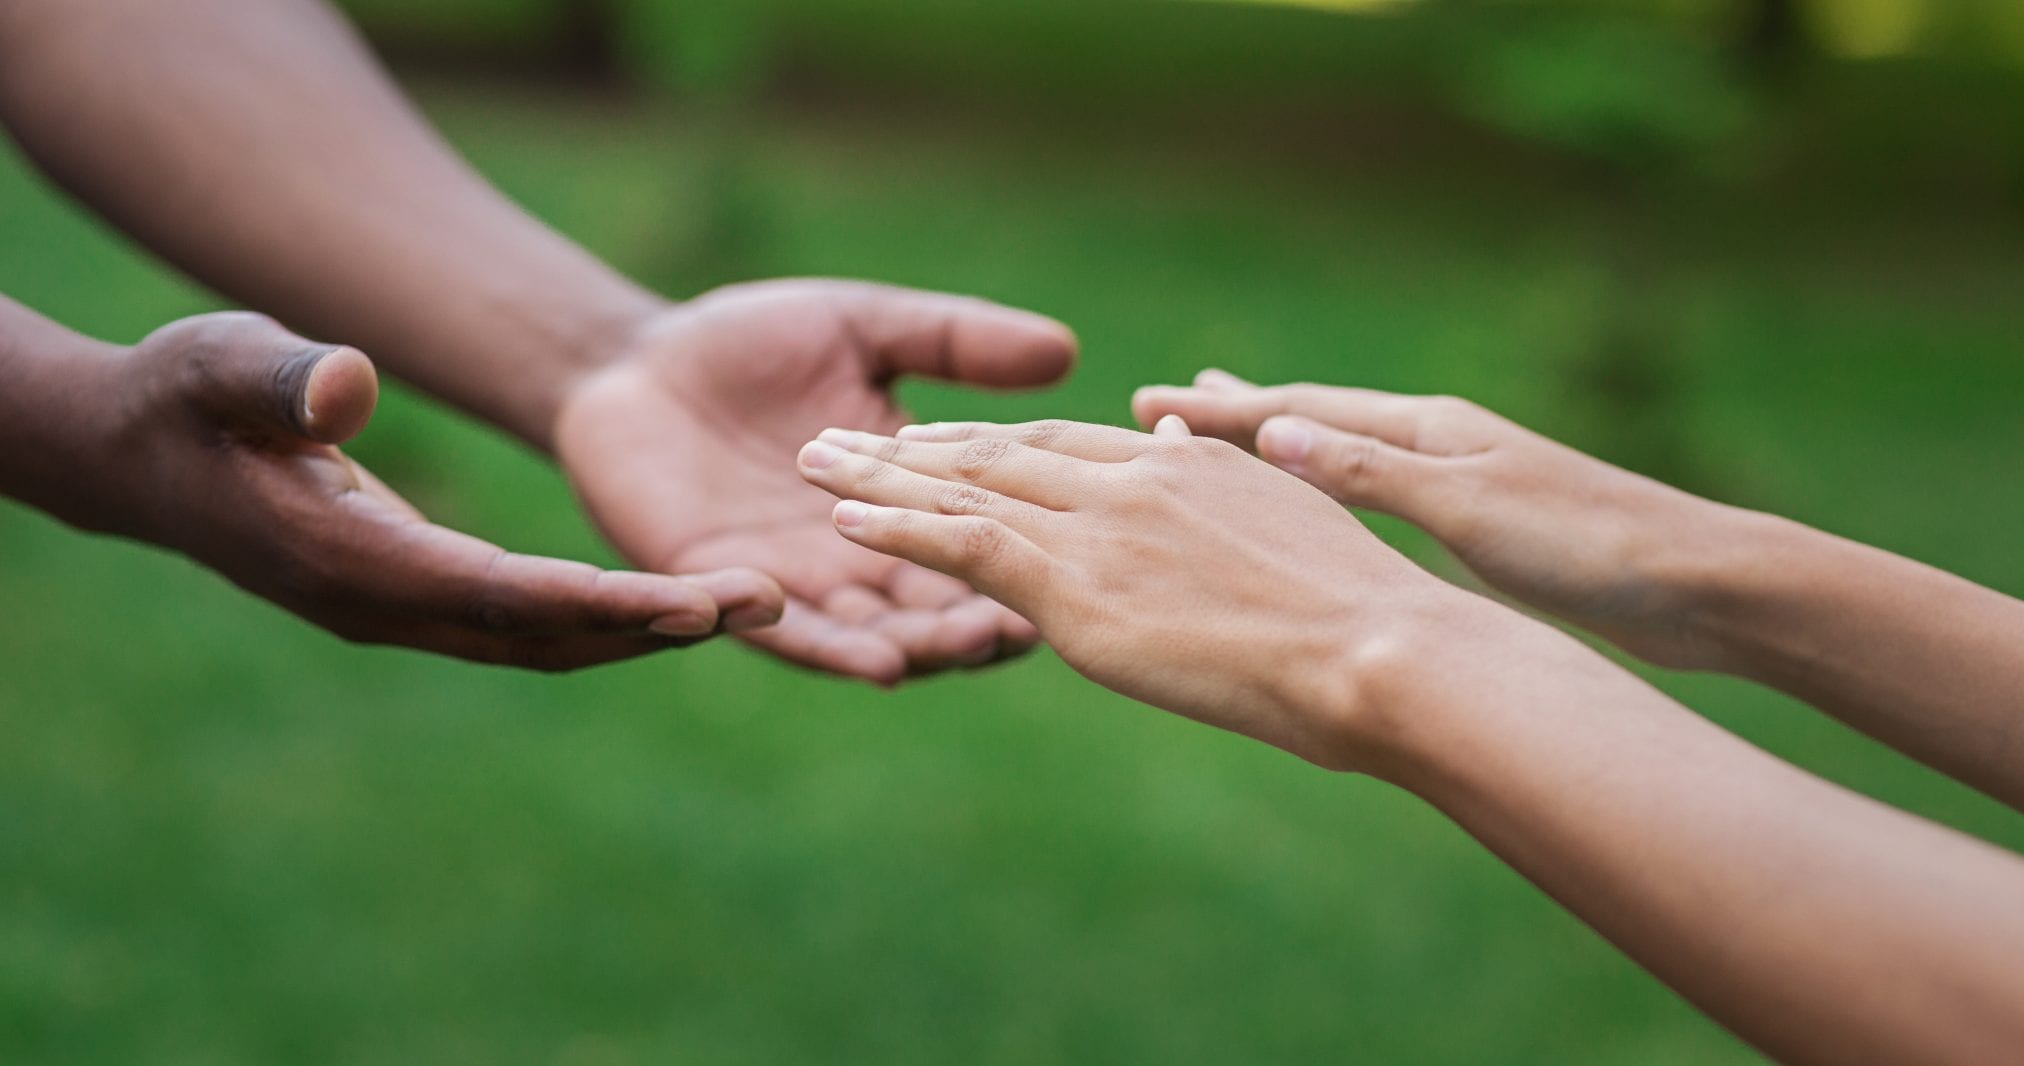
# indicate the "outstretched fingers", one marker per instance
pixel 1080 440
pixel 1224 407
pixel 391 579
pixel 808 636
pixel 991 556
pixel 1359 470
pixel 856 476
pixel 998 464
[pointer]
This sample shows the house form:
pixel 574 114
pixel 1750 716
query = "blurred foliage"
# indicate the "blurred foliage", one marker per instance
pixel 1705 89
pixel 1701 239
pixel 230 839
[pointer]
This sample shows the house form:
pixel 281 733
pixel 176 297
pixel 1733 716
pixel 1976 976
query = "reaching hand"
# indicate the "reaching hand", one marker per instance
pixel 222 444
pixel 1174 569
pixel 1597 545
pixel 683 450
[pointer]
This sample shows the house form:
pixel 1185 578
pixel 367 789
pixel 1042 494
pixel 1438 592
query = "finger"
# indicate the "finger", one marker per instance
pixel 1357 470
pixel 957 338
pixel 1235 415
pixel 1222 380
pixel 249 369
pixel 807 637
pixel 746 599
pixel 428 572
pixel 1016 635
pixel 542 653
pixel 1005 466
pixel 963 635
pixel 988 554
pixel 339 396
pixel 1173 426
pixel 912 586
pixel 856 605
pixel 863 477
pixel 1081 440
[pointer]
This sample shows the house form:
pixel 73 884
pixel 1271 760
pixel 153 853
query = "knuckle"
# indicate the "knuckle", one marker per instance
pixel 1452 408
pixel 980 542
pixel 1042 434
pixel 964 500
pixel 979 456
pixel 1353 462
pixel 1211 449
pixel 865 472
pixel 489 608
pixel 889 450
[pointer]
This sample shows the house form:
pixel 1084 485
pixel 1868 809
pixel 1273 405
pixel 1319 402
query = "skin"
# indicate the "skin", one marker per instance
pixel 217 437
pixel 256 145
pixel 1918 658
pixel 1815 923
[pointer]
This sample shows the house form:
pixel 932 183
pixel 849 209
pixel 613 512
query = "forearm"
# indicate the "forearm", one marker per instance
pixel 1816 924
pixel 52 398
pixel 1924 661
pixel 256 144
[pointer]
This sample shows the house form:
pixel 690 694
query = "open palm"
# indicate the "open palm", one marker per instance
pixel 683 451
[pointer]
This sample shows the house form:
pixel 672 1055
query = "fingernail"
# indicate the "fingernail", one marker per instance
pixel 750 616
pixel 815 455
pixel 851 513
pixel 1288 442
pixel 849 439
pixel 680 624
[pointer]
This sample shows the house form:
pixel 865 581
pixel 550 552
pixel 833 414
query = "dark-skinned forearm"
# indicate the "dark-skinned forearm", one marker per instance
pixel 1920 659
pixel 54 394
pixel 256 144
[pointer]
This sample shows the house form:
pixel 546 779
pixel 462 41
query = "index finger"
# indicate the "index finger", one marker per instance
pixel 455 593
pixel 1235 415
pixel 1081 440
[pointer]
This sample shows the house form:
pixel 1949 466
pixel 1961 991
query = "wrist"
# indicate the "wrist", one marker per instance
pixel 1715 571
pixel 568 348
pixel 1441 698
pixel 59 415
pixel 1367 708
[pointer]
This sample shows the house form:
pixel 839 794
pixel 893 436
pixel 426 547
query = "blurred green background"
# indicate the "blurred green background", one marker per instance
pixel 1767 249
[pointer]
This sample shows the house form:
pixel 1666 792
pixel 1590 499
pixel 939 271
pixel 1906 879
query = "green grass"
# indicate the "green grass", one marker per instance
pixel 227 838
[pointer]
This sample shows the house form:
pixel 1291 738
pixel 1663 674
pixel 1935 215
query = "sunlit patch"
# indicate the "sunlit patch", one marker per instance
pixel 1869 29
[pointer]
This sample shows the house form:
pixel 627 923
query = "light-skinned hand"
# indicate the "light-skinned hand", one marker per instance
pixel 1599 546
pixel 1174 569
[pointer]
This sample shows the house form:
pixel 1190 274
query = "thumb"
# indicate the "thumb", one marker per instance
pixel 1359 471
pixel 339 389
pixel 957 338
pixel 252 371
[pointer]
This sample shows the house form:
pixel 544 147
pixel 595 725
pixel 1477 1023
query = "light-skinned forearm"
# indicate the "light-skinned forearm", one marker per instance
pixel 257 145
pixel 1818 925
pixel 1924 661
